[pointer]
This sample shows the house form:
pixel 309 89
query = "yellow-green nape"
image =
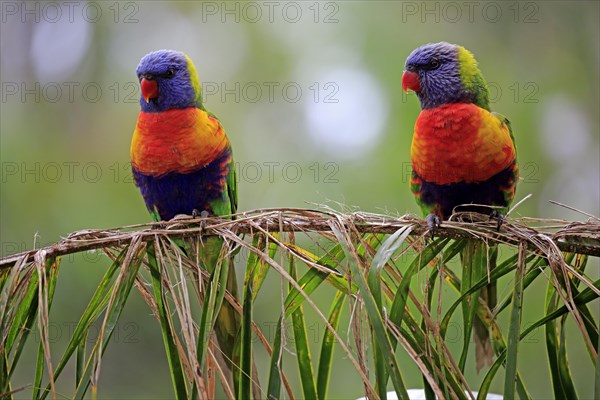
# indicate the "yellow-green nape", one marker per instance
pixel 472 79
pixel 467 64
pixel 193 77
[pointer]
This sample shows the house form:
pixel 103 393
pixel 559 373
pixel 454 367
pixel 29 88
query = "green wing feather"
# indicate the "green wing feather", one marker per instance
pixel 509 192
pixel 232 188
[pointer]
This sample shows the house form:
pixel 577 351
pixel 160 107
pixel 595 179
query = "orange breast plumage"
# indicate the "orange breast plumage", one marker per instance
pixel 177 140
pixel 460 142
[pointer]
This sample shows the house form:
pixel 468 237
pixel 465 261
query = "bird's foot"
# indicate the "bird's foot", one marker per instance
pixel 433 223
pixel 201 214
pixel 498 217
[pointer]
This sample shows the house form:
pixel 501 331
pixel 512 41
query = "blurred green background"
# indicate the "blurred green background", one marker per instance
pixel 309 93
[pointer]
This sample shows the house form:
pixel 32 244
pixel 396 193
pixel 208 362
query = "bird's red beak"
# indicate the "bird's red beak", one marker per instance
pixel 149 89
pixel 410 80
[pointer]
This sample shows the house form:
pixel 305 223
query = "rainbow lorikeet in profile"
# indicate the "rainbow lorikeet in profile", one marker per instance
pixel 461 153
pixel 182 162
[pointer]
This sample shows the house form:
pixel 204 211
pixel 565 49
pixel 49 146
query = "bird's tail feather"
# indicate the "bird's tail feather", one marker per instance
pixel 476 259
pixel 228 320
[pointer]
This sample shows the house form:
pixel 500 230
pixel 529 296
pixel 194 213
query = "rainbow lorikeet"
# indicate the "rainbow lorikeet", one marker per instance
pixel 182 162
pixel 461 153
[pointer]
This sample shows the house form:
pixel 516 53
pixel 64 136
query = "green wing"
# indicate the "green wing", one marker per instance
pixel 232 187
pixel 510 189
pixel 227 204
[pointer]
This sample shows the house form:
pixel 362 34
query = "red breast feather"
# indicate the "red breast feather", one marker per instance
pixel 460 143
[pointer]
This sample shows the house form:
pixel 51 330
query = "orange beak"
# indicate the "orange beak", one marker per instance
pixel 149 89
pixel 410 80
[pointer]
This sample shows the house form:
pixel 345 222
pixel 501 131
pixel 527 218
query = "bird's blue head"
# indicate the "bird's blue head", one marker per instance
pixel 443 73
pixel 168 80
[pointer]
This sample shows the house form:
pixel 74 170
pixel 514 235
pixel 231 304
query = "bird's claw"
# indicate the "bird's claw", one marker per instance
pixel 498 217
pixel 201 214
pixel 433 223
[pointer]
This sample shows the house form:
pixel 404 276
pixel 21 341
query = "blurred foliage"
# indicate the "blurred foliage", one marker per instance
pixel 64 158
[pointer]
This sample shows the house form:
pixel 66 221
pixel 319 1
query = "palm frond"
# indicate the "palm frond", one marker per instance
pixel 385 268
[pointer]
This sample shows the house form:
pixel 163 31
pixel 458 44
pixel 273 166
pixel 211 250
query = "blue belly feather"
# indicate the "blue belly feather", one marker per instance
pixel 175 193
pixel 444 198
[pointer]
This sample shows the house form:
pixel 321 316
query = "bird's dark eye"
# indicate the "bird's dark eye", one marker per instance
pixel 170 73
pixel 433 64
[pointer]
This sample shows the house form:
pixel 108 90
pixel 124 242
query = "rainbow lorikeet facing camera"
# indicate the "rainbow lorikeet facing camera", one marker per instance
pixel 182 162
pixel 461 153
